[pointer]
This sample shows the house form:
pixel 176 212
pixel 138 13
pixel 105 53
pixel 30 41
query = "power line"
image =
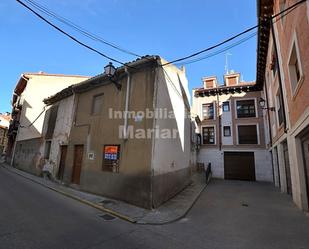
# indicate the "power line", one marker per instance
pixel 21 126
pixel 235 36
pixel 70 36
pixel 219 51
pixel 81 30
pixel 88 34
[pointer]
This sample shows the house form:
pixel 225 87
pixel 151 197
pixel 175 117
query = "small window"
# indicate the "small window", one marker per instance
pixel 279 108
pixel 208 111
pixel 208 135
pixel 247 134
pixel 47 149
pixel 245 108
pixel 274 63
pixel 294 69
pixel 97 103
pixel 226 106
pixel 226 131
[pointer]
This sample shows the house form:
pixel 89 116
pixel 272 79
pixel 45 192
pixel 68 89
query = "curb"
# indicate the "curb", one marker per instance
pixel 181 216
pixel 89 203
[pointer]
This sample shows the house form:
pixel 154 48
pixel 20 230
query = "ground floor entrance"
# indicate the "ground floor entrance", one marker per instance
pixel 239 166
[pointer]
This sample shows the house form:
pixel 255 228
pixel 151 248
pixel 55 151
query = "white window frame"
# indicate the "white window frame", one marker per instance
pixel 241 99
pixel 215 134
pixel 294 42
pixel 257 133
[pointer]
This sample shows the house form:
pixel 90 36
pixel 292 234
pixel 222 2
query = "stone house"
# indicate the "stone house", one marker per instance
pixel 130 134
pixel 25 132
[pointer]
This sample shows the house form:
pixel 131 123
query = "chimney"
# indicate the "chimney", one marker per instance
pixel 232 78
pixel 210 82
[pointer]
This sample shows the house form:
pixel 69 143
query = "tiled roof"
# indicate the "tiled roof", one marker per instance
pixel 264 13
pixel 95 81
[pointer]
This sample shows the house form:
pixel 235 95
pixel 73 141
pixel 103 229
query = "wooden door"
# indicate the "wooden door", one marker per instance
pixel 77 165
pixel 63 155
pixel 305 148
pixel 287 168
pixel 239 166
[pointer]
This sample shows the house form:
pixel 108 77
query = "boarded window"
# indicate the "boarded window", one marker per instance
pixel 97 103
pixel 247 134
pixel 227 131
pixel 51 122
pixel 208 111
pixel 245 108
pixel 208 135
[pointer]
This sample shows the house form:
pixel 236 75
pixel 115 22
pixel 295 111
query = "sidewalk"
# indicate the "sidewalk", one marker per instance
pixel 170 211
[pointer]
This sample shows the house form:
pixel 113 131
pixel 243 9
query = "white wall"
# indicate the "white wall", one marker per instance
pixel 262 160
pixel 38 88
pixel 215 157
pixel 171 154
pixel 62 129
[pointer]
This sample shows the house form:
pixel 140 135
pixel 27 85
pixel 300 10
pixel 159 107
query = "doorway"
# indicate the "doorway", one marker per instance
pixel 305 152
pixel 77 165
pixel 287 167
pixel 63 155
pixel 239 166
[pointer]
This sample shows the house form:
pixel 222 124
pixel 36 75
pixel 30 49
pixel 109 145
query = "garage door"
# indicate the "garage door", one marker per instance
pixel 239 166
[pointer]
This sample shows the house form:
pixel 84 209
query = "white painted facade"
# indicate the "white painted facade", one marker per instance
pixel 39 87
pixel 61 132
pixel 262 160
pixel 171 92
pixel 214 153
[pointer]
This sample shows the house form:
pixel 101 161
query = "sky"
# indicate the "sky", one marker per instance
pixel 169 28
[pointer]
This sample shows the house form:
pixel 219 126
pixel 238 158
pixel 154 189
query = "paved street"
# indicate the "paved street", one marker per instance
pixel 229 214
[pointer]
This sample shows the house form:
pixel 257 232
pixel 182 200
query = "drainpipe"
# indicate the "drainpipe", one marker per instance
pixel 270 133
pixel 219 121
pixel 125 125
pixel 279 74
pixel 268 117
pixel 14 148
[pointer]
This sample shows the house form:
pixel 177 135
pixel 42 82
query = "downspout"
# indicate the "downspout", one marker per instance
pixel 268 116
pixel 270 133
pixel 125 125
pixel 14 148
pixel 279 74
pixel 219 121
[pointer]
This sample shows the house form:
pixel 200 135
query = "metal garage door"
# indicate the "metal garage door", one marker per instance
pixel 239 166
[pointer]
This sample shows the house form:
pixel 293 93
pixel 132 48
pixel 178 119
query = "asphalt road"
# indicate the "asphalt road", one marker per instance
pixel 227 215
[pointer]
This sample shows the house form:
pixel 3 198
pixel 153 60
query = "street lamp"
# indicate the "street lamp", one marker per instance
pixel 110 71
pixel 262 104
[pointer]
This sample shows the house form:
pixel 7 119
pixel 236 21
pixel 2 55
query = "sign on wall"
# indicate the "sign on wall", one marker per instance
pixel 111 154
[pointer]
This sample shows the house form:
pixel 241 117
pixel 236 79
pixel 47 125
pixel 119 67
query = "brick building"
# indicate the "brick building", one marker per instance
pixel 232 129
pixel 283 69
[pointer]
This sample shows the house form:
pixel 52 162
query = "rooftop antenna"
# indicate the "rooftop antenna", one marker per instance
pixel 226 67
